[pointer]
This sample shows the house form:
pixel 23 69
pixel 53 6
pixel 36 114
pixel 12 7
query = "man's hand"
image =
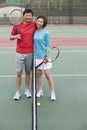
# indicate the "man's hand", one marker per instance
pixel 13 37
pixel 18 36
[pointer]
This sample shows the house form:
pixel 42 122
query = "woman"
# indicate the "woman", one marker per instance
pixel 42 44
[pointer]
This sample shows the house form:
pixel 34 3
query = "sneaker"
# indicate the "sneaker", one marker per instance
pixel 27 93
pixel 40 93
pixel 17 96
pixel 53 96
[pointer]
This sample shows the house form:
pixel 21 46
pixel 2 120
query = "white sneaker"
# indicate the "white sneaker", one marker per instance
pixel 17 96
pixel 27 93
pixel 53 96
pixel 40 93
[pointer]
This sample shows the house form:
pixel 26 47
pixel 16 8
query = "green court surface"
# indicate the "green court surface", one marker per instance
pixel 69 111
pixel 60 30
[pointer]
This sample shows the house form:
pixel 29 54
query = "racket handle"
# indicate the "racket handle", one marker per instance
pixel 18 29
pixel 39 65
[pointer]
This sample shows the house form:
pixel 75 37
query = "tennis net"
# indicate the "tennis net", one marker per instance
pixel 34 99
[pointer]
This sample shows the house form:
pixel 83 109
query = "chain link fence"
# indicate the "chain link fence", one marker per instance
pixel 57 11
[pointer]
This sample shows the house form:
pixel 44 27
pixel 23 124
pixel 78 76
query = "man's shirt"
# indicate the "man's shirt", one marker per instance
pixel 25 45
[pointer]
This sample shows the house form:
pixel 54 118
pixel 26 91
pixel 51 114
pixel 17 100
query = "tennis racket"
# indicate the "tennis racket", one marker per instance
pixel 51 56
pixel 16 18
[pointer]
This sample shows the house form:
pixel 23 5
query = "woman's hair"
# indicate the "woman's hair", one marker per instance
pixel 27 11
pixel 44 19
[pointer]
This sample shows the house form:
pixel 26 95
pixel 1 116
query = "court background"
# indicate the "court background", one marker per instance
pixel 69 72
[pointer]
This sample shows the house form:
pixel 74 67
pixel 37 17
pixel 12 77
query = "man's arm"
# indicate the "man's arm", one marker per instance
pixel 13 37
pixel 14 34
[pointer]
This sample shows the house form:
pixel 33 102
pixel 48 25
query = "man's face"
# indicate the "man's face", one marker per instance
pixel 27 17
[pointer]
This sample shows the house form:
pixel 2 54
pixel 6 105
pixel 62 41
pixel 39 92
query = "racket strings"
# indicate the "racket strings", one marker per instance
pixel 53 54
pixel 16 16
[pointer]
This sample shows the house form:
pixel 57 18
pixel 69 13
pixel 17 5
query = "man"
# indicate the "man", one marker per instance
pixel 24 50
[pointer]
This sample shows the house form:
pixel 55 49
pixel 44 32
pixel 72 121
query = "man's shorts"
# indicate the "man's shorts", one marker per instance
pixel 44 66
pixel 24 61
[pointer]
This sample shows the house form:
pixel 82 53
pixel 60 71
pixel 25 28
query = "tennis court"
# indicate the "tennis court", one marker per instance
pixel 69 111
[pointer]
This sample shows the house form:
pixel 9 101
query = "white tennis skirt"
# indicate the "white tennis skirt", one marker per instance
pixel 44 66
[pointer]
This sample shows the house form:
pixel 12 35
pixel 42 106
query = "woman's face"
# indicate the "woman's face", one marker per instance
pixel 40 23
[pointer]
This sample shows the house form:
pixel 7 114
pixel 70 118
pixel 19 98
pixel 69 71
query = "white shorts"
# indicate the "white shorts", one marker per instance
pixel 44 66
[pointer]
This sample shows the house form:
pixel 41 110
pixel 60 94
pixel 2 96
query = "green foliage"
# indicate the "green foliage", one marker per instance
pixel 17 1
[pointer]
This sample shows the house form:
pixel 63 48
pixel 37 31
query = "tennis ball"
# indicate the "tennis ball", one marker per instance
pixel 38 104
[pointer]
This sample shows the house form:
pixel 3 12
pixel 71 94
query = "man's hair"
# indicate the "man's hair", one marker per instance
pixel 27 11
pixel 44 19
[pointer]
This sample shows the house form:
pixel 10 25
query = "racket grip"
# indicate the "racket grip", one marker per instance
pixel 38 65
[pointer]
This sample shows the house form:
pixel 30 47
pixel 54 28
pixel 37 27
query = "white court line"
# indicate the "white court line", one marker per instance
pixel 57 75
pixel 7 52
pixel 73 51
pixel 7 47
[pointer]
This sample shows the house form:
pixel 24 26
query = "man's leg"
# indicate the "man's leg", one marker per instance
pixel 18 85
pixel 27 80
pixel 18 80
pixel 27 83
pixel 28 68
pixel 19 69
